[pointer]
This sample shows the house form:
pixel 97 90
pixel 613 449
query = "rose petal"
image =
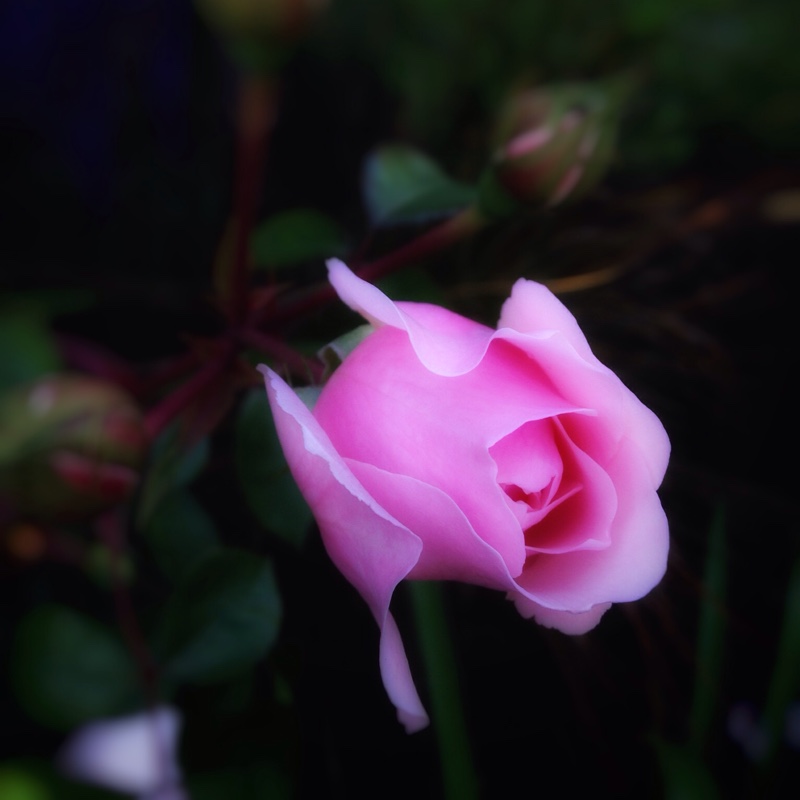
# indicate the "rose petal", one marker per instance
pixel 585 518
pixel 555 341
pixel 528 457
pixel 570 622
pixel 383 407
pixel 534 320
pixel 533 308
pixel 451 550
pixel 372 550
pixel 633 563
pixel 446 343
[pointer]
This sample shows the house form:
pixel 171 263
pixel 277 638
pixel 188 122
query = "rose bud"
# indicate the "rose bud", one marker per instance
pixel 264 21
pixel 72 446
pixel 553 144
pixel 441 449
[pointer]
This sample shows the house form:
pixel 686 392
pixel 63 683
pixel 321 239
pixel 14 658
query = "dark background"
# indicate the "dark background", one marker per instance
pixel 116 155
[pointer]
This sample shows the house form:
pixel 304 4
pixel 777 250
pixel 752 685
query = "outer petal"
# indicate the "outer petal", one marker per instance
pixel 452 550
pixel 370 548
pixel 555 341
pixel 633 563
pixel 446 343
pixel 573 623
pixel 383 407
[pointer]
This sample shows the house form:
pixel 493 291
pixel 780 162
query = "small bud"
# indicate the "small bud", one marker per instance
pixel 25 543
pixel 554 144
pixel 261 21
pixel 72 445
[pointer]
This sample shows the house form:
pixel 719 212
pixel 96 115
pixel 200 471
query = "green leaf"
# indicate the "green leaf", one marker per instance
pixel 27 350
pixel 402 185
pixel 785 680
pixel 249 782
pixel 34 779
pixel 294 237
pixel 68 669
pixel 180 534
pixel 18 784
pixel 222 618
pixel 268 486
pixel 685 777
pixel 335 352
pixel 710 636
pixel 171 467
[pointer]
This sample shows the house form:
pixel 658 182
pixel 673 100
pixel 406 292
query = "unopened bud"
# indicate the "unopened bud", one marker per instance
pixel 70 445
pixel 553 144
pixel 261 21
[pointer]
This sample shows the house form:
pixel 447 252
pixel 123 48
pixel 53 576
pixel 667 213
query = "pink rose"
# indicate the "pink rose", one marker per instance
pixel 513 459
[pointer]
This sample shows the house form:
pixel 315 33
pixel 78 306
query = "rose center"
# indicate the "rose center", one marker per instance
pixel 530 470
pixel 535 500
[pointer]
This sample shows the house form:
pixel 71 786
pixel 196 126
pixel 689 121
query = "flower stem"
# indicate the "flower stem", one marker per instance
pixel 453 230
pixel 296 363
pixel 161 415
pixel 458 775
pixel 254 120
pixel 110 532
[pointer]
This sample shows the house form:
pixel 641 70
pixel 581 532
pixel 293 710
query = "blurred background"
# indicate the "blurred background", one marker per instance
pixel 117 154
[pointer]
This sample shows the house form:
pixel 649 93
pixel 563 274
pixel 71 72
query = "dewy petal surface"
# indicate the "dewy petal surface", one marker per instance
pixel 371 549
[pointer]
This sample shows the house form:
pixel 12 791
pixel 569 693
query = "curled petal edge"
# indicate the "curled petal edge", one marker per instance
pixel 372 550
pixel 570 622
pixel 534 320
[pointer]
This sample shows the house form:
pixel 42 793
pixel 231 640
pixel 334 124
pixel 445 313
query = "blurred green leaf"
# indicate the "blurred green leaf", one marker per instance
pixel 39 780
pixel 253 782
pixel 223 617
pixel 266 481
pixel 402 185
pixel 180 534
pixel 335 352
pixel 171 467
pixel 68 669
pixel 710 635
pixel 413 284
pixel 294 237
pixel 785 680
pixel 27 350
pixel 19 784
pixel 685 777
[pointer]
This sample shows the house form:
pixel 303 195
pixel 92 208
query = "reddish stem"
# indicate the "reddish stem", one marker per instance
pixel 175 402
pixel 254 120
pixel 109 528
pixel 90 357
pixel 455 229
pixel 296 363
pixel 165 372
